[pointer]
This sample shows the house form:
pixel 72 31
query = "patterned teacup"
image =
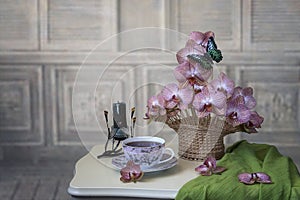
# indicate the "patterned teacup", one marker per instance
pixel 146 151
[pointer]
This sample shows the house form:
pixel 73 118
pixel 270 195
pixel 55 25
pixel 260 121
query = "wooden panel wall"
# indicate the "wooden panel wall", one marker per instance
pixel 44 42
pixel 19 25
pixel 21 105
pixel 224 17
pixel 76 25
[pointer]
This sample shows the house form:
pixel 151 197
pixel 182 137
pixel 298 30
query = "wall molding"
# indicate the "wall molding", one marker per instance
pixel 230 58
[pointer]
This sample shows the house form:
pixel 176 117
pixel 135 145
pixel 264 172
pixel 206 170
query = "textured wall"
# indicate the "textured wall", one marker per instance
pixel 43 42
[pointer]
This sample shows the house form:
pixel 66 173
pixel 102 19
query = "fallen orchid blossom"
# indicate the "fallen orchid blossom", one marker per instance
pixel 209 167
pixel 251 178
pixel 131 172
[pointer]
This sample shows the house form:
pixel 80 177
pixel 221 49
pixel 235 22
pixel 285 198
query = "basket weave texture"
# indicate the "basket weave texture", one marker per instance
pixel 199 137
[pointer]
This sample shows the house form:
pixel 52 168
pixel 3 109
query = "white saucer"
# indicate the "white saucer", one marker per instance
pixel 120 162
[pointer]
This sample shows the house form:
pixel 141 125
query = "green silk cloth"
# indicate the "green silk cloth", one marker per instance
pixel 245 157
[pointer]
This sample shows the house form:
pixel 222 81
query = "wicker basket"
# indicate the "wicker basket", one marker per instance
pixel 199 137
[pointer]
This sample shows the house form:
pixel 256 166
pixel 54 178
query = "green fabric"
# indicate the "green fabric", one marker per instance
pixel 245 157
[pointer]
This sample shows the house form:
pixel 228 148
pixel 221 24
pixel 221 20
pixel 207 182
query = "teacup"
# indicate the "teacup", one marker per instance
pixel 146 151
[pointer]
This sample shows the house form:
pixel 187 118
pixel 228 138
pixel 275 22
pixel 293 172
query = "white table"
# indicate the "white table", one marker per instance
pixel 95 178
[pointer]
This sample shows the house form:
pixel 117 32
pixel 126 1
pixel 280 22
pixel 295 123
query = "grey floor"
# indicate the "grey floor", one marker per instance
pixel 22 181
pixel 39 181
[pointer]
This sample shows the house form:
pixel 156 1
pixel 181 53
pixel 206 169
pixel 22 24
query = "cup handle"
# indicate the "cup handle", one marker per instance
pixel 168 159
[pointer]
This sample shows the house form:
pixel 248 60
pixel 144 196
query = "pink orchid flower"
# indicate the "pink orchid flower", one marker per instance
pixel 175 96
pixel 208 101
pixel 198 88
pixel 247 94
pixel 254 122
pixel 201 38
pixel 131 172
pixel 224 84
pixel 251 178
pixel 209 167
pixel 156 106
pixel 237 112
pixel 194 74
pixel 191 48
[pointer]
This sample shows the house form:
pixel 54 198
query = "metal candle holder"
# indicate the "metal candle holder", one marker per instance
pixel 119 130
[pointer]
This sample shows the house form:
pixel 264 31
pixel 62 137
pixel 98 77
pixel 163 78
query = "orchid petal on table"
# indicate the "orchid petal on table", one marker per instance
pixel 251 178
pixel 175 96
pixel 131 172
pixel 209 167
